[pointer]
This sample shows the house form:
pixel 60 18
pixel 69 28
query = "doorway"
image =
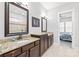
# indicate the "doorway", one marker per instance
pixel 65 29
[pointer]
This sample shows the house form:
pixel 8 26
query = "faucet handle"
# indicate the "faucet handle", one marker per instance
pixel 19 37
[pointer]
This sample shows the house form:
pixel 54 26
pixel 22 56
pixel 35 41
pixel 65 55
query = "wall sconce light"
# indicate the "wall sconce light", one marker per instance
pixel 23 4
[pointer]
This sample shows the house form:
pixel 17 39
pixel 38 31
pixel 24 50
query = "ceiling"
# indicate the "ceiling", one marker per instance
pixel 49 5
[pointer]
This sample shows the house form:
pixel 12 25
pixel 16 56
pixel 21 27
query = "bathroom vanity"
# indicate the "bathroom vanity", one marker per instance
pixel 16 23
pixel 21 48
pixel 46 40
pixel 31 46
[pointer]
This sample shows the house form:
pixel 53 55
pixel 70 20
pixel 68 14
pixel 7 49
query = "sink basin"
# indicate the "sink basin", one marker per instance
pixel 22 41
pixel 8 44
pixel 2 47
pixel 11 44
pixel 5 45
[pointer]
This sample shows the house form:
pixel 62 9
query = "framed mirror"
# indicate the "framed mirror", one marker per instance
pixel 35 22
pixel 43 24
pixel 16 19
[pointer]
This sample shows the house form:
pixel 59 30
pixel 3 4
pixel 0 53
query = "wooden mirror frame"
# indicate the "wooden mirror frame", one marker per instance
pixel 34 18
pixel 42 24
pixel 7 19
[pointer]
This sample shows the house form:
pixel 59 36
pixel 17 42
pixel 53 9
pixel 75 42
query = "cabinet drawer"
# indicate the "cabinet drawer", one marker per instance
pixel 24 54
pixel 37 42
pixel 13 53
pixel 1 55
pixel 24 48
pixel 34 52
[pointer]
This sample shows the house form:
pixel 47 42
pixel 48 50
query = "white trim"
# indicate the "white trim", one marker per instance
pixel 58 28
pixel 65 11
pixel 73 35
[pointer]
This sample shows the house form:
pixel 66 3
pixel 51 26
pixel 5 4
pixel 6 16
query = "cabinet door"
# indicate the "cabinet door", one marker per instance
pixel 51 39
pixel 24 54
pixel 42 46
pixel 48 41
pixel 45 38
pixel 37 42
pixel 25 48
pixel 34 52
pixel 1 55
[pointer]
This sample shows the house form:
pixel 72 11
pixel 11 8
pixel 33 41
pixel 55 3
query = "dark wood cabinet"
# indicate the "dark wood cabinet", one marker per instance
pixel 43 42
pixel 25 54
pixel 1 55
pixel 13 53
pixel 42 46
pixel 46 42
pixel 50 40
pixel 37 42
pixel 34 52
pixel 27 47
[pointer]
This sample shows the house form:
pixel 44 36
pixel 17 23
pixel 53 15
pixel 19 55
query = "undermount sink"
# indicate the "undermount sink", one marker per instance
pixel 3 48
pixel 6 45
pixel 22 41
pixel 19 40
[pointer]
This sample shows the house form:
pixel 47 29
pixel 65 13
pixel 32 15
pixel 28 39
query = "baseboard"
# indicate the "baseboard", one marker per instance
pixel 66 40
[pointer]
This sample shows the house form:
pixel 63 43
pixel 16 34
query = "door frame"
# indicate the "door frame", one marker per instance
pixel 71 10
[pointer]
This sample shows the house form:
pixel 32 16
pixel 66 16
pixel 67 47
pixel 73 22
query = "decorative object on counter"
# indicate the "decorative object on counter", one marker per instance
pixel 43 24
pixel 35 22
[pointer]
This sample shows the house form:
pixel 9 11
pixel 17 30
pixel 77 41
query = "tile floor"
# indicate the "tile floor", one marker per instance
pixel 61 51
pixel 66 43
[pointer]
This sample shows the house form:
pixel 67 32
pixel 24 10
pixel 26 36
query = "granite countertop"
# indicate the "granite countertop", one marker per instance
pixel 6 46
pixel 42 33
pixel 49 33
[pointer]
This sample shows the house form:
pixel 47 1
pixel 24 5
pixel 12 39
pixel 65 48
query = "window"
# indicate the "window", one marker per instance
pixel 61 26
pixel 69 26
pixel 66 26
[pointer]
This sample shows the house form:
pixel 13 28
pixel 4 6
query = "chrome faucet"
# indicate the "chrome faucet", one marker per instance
pixel 19 37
